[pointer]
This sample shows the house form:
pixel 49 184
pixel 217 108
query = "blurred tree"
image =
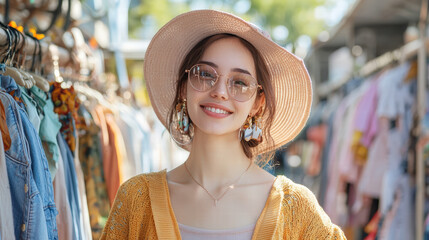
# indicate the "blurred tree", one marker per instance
pixel 297 16
pixel 147 16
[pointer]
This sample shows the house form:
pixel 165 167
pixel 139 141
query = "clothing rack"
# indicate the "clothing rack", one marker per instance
pixel 407 51
pixel 401 54
pixel 417 48
pixel 30 45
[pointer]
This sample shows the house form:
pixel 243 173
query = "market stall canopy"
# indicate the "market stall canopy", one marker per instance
pixel 370 12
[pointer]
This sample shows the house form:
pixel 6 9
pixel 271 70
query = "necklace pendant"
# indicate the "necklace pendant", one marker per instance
pixel 215 202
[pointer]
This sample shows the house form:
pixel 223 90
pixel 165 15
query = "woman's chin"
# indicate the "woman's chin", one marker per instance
pixel 217 132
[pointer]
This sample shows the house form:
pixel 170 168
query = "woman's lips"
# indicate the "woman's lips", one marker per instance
pixel 216 112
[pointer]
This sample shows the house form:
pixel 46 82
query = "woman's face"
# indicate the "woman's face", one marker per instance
pixel 227 56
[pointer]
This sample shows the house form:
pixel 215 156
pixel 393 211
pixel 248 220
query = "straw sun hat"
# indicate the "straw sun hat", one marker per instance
pixel 290 79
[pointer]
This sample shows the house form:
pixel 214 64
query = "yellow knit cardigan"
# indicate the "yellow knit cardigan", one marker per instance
pixel 142 210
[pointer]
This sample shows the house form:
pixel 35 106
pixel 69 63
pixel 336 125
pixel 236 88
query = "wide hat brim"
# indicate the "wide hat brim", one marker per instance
pixel 290 79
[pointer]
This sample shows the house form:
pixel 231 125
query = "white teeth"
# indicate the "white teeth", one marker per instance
pixel 216 110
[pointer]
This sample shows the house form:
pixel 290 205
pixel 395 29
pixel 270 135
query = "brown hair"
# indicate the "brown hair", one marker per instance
pixel 262 75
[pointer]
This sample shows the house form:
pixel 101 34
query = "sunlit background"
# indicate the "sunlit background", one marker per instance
pixel 364 151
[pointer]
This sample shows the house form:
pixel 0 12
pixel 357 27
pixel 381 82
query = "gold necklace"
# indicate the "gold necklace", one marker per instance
pixel 231 186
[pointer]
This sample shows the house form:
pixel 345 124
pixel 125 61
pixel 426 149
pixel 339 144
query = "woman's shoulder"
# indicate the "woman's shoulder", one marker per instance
pixel 139 184
pixel 292 190
pixel 301 204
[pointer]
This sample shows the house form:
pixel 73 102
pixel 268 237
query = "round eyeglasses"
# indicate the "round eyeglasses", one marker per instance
pixel 241 86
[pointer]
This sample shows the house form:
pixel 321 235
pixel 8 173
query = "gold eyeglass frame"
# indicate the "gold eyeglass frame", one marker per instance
pixel 258 86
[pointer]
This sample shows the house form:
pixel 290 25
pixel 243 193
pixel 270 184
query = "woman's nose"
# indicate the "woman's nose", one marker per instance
pixel 220 89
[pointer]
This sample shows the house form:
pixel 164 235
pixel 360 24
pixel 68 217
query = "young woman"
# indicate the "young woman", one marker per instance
pixel 228 94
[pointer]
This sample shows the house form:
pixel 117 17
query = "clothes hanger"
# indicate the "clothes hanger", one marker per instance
pixel 41 82
pixel 20 60
pixel 9 70
pixel 89 92
pixel 16 73
pixel 54 53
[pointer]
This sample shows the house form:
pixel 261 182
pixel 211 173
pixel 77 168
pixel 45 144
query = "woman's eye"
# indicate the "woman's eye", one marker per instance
pixel 206 74
pixel 240 83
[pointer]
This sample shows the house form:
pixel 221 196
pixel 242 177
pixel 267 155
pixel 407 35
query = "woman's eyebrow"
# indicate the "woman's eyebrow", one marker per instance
pixel 209 63
pixel 233 70
pixel 241 71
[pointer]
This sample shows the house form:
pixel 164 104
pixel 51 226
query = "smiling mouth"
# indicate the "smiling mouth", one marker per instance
pixel 216 110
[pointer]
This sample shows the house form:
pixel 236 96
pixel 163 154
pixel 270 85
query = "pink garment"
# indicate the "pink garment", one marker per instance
pixel 341 166
pixel 370 182
pixel 347 164
pixel 64 217
pixel 372 176
pixel 366 120
pixel 333 205
pixel 193 233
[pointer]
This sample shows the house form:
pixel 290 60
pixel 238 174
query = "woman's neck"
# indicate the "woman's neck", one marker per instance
pixel 216 161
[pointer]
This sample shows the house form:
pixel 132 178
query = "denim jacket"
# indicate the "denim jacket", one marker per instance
pixel 30 181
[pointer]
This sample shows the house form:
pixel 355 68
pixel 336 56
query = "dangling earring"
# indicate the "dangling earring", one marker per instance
pixel 182 117
pixel 180 133
pixel 246 129
pixel 256 129
pixel 251 130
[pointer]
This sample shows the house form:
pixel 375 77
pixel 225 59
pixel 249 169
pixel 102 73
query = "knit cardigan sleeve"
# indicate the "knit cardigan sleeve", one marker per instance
pixel 117 224
pixel 311 221
pixel 131 216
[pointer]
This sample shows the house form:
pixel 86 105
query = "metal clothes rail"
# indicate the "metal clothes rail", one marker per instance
pixel 30 45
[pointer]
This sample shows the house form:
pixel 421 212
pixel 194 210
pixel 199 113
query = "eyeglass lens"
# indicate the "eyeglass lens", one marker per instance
pixel 241 86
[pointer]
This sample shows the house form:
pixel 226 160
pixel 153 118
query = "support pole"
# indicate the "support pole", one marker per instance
pixel 421 108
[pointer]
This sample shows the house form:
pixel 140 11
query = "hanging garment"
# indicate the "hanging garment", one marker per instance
pixel 325 159
pixel 396 200
pixel 389 104
pixel 132 138
pixel 316 134
pixel 110 154
pixel 372 227
pixel 83 202
pixel 64 217
pixel 30 108
pixel 116 135
pixel 342 167
pixel 4 130
pixel 49 128
pixel 31 185
pixel 347 164
pixel 333 205
pixel 146 151
pixel 136 134
pixel 6 225
pixel 371 180
pixel 365 123
pixel 66 105
pixel 166 153
pixel 71 186
pixel 91 160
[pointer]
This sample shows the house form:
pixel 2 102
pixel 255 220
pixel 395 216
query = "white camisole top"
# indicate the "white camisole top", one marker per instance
pixel 193 233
